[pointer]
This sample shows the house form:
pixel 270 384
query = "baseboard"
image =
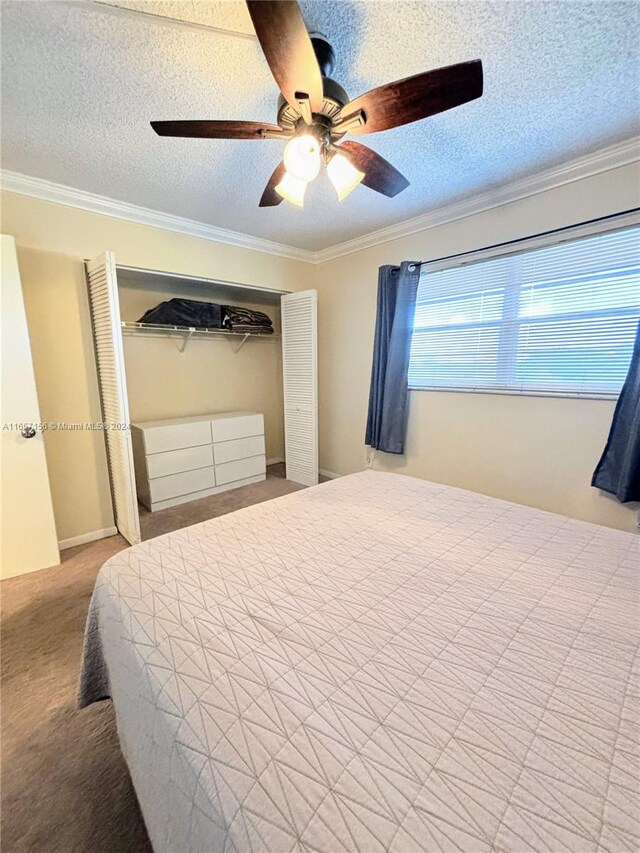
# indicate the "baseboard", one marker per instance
pixel 275 461
pixel 330 475
pixel 92 536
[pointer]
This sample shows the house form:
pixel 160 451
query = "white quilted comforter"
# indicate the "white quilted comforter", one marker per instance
pixel 376 663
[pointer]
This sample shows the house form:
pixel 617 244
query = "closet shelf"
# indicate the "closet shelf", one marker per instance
pixel 187 332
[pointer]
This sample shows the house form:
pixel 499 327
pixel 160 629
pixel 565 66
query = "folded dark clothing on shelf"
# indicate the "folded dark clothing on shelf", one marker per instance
pixel 185 312
pixel 239 319
pixel 251 329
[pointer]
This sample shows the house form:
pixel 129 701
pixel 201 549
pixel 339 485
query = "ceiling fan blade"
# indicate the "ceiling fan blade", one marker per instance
pixel 215 129
pixel 270 197
pixel 379 174
pixel 416 97
pixel 287 47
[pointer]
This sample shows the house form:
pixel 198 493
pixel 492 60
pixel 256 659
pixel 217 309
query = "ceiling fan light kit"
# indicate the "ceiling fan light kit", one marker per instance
pixel 302 157
pixel 291 189
pixel 315 113
pixel 343 174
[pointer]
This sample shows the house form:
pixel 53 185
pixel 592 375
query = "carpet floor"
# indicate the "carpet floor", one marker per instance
pixel 65 785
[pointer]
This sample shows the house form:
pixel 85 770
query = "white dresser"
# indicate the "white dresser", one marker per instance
pixel 183 459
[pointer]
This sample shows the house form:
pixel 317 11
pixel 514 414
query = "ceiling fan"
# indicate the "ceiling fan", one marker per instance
pixel 314 112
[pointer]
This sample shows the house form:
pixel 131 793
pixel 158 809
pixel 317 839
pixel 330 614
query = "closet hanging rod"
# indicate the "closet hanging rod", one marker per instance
pixel 188 332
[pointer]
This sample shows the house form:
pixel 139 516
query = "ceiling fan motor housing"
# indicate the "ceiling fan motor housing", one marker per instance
pixel 335 96
pixel 324 53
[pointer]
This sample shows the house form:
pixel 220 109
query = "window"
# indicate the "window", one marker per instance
pixel 554 320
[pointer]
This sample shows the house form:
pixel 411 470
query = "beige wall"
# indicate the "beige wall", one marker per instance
pixel 532 450
pixel 537 451
pixel 52 242
pixel 69 231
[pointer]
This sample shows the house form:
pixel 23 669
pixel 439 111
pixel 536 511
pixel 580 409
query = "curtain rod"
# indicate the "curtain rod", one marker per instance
pixel 529 237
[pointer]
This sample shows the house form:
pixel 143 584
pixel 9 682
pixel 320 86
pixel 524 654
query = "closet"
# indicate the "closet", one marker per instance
pixel 265 386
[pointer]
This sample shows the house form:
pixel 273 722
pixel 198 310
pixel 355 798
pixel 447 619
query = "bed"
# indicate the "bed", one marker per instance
pixel 376 663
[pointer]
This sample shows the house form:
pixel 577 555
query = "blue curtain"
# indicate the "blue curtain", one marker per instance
pixel 618 471
pixel 388 395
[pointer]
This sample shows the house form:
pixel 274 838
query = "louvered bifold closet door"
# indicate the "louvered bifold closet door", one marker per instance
pixel 300 379
pixel 105 313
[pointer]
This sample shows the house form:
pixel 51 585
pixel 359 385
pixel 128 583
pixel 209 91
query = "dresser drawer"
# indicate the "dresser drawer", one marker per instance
pixel 240 469
pixel 241 426
pixel 175 436
pixel 176 461
pixel 181 484
pixel 240 448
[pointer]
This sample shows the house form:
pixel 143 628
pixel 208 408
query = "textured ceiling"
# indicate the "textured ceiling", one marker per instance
pixel 82 80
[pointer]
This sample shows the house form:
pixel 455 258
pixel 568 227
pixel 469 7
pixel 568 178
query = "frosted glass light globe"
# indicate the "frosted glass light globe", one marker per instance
pixel 292 189
pixel 343 175
pixel 302 157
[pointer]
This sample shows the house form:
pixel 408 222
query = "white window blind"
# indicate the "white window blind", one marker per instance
pixel 555 320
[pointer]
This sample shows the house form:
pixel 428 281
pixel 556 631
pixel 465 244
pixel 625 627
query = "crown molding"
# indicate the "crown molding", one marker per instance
pixel 604 160
pixel 14 182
